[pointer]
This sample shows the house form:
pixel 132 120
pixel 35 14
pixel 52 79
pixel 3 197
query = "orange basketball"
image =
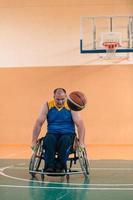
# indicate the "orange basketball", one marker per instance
pixel 76 101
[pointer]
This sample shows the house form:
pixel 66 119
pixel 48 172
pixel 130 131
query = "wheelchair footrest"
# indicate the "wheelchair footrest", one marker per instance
pixel 55 173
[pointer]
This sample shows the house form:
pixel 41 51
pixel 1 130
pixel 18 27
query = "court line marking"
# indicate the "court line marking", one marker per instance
pixel 113 169
pixel 93 168
pixel 65 188
pixel 81 184
pixel 62 196
pixel 3 168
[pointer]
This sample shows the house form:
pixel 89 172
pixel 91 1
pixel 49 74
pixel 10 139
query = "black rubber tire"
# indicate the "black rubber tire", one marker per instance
pixel 84 163
pixel 36 158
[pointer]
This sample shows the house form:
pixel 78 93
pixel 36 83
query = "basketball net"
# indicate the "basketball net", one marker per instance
pixel 111 41
pixel 111 48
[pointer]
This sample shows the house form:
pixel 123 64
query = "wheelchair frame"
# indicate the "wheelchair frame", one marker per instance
pixel 79 154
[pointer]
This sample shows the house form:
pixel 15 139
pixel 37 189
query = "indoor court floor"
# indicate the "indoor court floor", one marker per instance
pixel 108 180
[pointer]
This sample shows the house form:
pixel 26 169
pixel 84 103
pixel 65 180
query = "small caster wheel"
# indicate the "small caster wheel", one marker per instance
pixel 32 174
pixel 42 177
pixel 67 177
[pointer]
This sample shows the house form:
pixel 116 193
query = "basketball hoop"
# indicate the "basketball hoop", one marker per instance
pixel 111 48
pixel 111 41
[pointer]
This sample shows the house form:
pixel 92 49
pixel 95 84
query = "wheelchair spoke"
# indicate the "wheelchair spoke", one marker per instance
pixel 36 158
pixel 83 161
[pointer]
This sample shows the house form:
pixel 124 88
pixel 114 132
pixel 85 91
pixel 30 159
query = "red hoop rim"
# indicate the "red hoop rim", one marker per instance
pixel 111 45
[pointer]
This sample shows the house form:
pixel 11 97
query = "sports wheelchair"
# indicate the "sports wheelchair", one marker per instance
pixel 76 154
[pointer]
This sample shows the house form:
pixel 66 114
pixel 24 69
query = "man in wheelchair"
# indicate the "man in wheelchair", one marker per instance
pixel 61 122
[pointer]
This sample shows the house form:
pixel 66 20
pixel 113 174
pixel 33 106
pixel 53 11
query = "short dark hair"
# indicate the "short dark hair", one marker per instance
pixel 55 90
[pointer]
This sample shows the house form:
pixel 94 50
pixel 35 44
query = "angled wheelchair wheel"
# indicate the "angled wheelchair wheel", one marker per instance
pixel 36 158
pixel 84 163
